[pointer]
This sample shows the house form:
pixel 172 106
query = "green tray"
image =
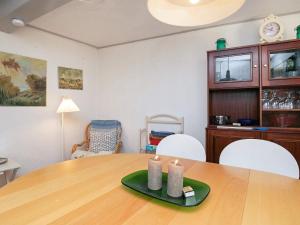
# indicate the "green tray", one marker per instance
pixel 138 181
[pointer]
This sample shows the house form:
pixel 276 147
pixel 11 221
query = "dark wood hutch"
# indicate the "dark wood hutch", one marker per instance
pixel 257 82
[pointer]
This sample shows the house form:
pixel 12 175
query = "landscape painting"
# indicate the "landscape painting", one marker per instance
pixel 22 80
pixel 70 78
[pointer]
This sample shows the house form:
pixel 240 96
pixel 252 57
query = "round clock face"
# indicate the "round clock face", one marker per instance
pixel 271 29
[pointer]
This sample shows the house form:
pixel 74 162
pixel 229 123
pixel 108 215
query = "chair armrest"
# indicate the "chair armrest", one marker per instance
pixel 118 147
pixel 74 148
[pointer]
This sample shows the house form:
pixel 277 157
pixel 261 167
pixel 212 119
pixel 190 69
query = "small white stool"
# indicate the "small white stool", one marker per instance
pixel 6 168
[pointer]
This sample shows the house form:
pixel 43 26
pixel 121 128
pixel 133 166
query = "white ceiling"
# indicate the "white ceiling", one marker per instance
pixel 108 22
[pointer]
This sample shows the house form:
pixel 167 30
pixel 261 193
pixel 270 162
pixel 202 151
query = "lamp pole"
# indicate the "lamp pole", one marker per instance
pixel 66 105
pixel 62 138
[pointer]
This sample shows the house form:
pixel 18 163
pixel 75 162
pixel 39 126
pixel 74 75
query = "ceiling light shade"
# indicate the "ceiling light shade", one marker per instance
pixel 192 12
pixel 67 105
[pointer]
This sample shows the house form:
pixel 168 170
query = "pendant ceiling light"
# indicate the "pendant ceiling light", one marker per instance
pixel 192 12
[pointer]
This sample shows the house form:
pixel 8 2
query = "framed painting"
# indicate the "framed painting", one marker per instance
pixel 22 80
pixel 69 78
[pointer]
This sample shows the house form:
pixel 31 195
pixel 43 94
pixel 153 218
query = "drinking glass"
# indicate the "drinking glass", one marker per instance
pixel 290 100
pixel 297 100
pixel 274 102
pixel 266 99
pixel 282 103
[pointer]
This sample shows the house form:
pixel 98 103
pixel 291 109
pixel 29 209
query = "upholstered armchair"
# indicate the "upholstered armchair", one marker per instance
pixel 102 137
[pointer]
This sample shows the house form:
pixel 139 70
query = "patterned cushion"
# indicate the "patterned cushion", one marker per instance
pixel 83 154
pixel 103 140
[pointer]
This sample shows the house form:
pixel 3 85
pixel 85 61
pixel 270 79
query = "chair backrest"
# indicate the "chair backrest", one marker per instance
pixel 181 145
pixel 260 155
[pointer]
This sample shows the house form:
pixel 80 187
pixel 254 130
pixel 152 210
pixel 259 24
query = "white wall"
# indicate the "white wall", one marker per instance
pixel 127 82
pixel 166 75
pixel 31 135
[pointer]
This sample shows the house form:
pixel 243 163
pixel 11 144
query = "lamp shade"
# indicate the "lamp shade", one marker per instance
pixel 67 105
pixel 192 12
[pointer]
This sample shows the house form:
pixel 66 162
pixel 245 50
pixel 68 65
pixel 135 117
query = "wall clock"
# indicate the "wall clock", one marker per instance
pixel 271 29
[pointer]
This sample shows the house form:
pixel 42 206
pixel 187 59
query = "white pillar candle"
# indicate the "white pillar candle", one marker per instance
pixel 175 179
pixel 154 173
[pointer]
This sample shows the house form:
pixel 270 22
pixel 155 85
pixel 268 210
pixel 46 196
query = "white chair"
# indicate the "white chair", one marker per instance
pixel 181 145
pixel 260 155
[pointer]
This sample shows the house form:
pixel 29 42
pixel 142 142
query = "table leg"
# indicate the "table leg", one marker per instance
pixel 12 176
pixel 6 177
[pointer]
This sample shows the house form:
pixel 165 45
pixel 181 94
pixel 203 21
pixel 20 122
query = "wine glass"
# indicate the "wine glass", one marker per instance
pixel 290 100
pixel 274 101
pixel 266 99
pixel 297 100
pixel 282 103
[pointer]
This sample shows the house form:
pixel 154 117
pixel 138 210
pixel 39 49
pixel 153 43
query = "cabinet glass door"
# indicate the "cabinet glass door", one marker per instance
pixel 233 68
pixel 285 64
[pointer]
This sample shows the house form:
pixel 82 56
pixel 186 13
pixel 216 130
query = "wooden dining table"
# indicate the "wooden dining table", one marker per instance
pixel 89 191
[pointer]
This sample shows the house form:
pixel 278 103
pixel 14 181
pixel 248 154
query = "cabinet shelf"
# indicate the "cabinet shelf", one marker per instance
pixel 281 110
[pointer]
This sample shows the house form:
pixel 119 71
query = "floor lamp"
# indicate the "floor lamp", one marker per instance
pixel 67 105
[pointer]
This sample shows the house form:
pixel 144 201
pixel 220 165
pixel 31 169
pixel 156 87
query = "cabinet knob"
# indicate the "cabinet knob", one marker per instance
pixel 255 66
pixel 265 65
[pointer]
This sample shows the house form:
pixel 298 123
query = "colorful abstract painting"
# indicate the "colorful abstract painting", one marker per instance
pixel 22 80
pixel 69 78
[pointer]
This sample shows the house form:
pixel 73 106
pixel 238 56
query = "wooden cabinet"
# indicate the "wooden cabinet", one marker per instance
pixel 280 64
pixel 218 139
pixel 259 83
pixel 233 81
pixel 280 74
pixel 234 68
pixel 287 139
pixel 235 90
